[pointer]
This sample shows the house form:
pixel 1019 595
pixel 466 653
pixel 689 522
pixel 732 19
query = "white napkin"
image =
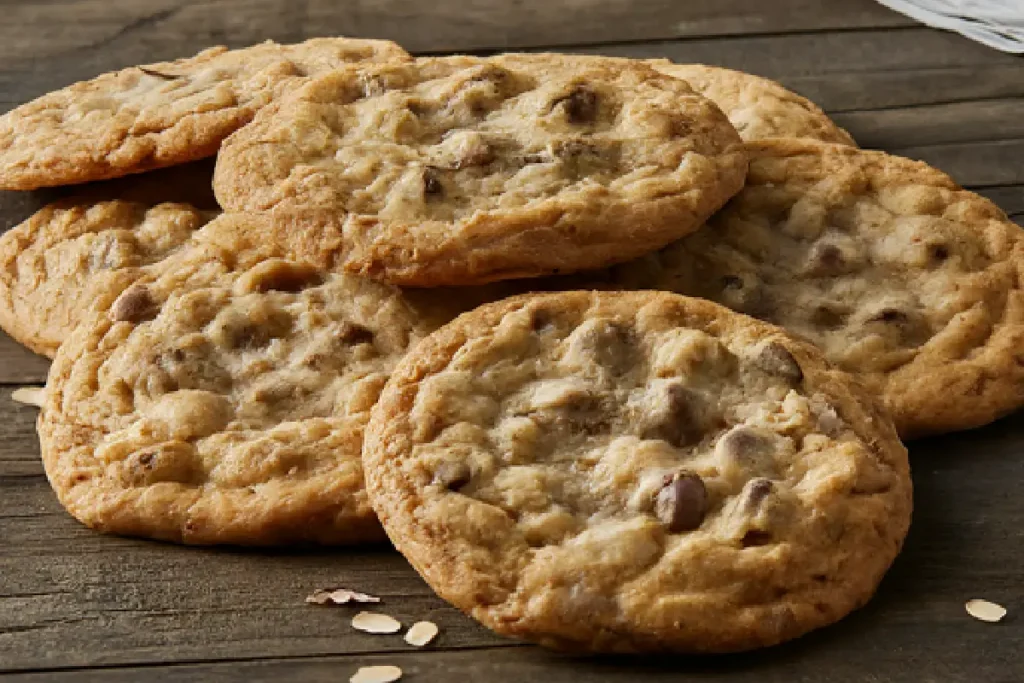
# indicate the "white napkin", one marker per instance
pixel 996 23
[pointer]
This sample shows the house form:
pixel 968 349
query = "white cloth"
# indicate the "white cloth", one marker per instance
pixel 996 23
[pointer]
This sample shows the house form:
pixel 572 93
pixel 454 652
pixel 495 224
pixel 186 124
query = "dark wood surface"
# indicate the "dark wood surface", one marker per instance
pixel 78 606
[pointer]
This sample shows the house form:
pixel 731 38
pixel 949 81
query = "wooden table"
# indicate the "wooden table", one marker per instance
pixel 76 606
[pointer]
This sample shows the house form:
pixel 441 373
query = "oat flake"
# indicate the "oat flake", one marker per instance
pixel 30 396
pixel 338 596
pixel 373 622
pixel 376 674
pixel 983 610
pixel 421 633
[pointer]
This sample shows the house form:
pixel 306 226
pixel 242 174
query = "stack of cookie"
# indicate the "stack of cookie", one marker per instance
pixel 455 300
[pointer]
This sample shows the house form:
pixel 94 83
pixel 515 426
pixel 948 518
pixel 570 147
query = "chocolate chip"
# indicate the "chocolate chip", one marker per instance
pixel 581 105
pixel 775 359
pixel 825 259
pixel 452 474
pixel 681 502
pixel 135 305
pixel 432 186
pixel 745 445
pixel 353 334
pixel 755 537
pixel 891 316
pixel 827 317
pixel 675 417
pixel 938 252
pixel 731 282
pixel 158 74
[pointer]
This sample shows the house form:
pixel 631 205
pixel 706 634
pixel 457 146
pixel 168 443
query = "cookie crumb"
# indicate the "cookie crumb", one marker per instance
pixel 421 633
pixel 30 396
pixel 376 674
pixel 374 622
pixel 983 610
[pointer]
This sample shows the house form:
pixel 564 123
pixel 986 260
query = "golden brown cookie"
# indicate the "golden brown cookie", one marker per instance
pixel 162 114
pixel 50 264
pixel 636 471
pixel 759 108
pixel 222 396
pixel 897 273
pixel 452 171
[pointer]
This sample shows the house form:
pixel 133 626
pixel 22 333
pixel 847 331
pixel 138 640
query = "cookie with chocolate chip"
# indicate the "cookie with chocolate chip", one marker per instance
pixel 158 115
pixel 636 471
pixel 461 170
pixel 759 107
pixel 222 397
pixel 51 264
pixel 897 273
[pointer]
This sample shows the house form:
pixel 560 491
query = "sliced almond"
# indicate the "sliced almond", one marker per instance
pixel 374 622
pixel 983 610
pixel 376 674
pixel 30 396
pixel 421 633
pixel 338 596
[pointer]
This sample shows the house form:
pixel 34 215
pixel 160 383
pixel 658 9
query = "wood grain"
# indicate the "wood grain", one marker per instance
pixel 159 28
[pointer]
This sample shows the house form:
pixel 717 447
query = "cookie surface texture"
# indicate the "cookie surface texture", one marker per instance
pixel 223 397
pixel 897 273
pixel 452 171
pixel 758 107
pixel 636 471
pixel 51 264
pixel 162 114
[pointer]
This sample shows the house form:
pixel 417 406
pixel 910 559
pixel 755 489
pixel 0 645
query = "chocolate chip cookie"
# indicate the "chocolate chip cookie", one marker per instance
pixel 759 108
pixel 50 264
pixel 636 471
pixel 162 114
pixel 897 273
pixel 462 170
pixel 221 397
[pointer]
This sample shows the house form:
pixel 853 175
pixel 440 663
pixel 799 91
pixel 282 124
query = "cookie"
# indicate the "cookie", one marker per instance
pixel 162 114
pixel 50 265
pixel 460 170
pixel 636 471
pixel 222 397
pixel 897 273
pixel 759 108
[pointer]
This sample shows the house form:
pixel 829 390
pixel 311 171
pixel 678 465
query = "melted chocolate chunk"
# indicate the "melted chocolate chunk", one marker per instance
pixel 432 186
pixel 581 105
pixel 135 305
pixel 775 359
pixel 682 502
pixel 453 475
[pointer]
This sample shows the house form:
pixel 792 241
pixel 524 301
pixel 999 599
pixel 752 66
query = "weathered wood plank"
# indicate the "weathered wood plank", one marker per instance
pixel 976 164
pixel 72 598
pixel 807 661
pixel 18 365
pixel 147 29
pixel 19 455
pixel 1010 199
pixel 939 124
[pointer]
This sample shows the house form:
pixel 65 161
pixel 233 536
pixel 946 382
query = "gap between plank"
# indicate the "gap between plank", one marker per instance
pixel 280 658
